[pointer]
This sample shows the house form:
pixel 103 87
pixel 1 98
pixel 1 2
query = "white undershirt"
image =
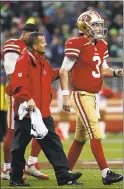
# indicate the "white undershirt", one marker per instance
pixel 68 63
pixel 104 65
pixel 10 60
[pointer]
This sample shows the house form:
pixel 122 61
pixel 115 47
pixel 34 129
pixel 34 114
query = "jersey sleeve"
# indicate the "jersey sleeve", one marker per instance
pixel 72 48
pixel 10 53
pixel 13 45
pixel 105 47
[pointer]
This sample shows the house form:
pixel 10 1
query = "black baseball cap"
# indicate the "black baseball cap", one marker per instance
pixel 31 27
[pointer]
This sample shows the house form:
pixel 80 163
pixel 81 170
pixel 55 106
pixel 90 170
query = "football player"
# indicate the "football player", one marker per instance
pixel 11 52
pixel 85 57
pixel 3 105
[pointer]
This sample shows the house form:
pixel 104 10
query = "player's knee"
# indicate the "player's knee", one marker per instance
pixel 97 134
pixel 99 137
pixel 82 141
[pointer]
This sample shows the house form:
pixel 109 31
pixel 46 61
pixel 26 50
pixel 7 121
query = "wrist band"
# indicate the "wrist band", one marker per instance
pixel 65 92
pixel 115 75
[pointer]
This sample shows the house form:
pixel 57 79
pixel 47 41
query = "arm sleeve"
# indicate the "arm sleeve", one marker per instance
pixel 104 65
pixel 13 45
pixel 10 60
pixel 68 63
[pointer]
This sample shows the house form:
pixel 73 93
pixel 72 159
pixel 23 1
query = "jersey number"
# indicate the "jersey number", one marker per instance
pixel 94 73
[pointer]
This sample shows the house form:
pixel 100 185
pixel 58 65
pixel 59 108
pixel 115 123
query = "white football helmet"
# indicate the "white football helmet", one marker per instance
pixel 91 23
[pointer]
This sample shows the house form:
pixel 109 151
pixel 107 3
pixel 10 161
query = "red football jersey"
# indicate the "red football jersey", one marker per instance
pixel 86 72
pixel 13 45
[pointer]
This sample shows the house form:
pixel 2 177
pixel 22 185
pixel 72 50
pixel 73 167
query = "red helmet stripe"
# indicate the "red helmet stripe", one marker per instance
pixel 97 14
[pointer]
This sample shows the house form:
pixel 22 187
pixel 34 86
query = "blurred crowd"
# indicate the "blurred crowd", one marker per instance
pixel 57 21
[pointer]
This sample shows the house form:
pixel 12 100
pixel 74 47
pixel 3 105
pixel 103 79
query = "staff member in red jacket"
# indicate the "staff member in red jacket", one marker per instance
pixel 10 54
pixel 31 82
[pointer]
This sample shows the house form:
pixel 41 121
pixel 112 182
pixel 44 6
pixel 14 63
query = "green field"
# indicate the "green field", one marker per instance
pixel 113 148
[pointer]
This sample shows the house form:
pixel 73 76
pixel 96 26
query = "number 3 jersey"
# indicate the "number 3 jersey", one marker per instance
pixel 86 72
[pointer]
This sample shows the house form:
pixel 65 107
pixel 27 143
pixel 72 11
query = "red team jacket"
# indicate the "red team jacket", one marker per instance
pixel 32 79
pixel 27 70
pixel 86 72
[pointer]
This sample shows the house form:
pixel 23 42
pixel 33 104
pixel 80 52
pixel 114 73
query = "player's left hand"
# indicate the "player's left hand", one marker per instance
pixel 66 103
pixel 119 72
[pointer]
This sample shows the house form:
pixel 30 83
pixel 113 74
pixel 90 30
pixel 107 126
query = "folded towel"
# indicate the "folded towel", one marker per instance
pixel 38 128
pixel 22 111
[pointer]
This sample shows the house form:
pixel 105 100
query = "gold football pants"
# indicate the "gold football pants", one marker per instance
pixel 87 125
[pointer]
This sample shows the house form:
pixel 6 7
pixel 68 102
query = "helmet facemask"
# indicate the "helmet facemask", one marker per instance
pixel 97 29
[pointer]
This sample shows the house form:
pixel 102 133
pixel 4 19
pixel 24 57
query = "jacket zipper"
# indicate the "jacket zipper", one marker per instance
pixel 41 86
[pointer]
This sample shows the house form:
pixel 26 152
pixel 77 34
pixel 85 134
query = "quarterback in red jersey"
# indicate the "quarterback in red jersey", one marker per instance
pixel 12 49
pixel 85 57
pixel 86 73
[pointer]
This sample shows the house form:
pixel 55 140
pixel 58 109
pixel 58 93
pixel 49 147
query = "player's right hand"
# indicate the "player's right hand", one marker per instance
pixel 31 104
pixel 66 103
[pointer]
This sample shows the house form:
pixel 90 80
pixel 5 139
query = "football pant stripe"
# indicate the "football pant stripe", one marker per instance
pixel 82 113
pixel 85 114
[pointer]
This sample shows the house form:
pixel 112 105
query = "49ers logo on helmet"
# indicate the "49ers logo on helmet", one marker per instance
pixel 85 18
